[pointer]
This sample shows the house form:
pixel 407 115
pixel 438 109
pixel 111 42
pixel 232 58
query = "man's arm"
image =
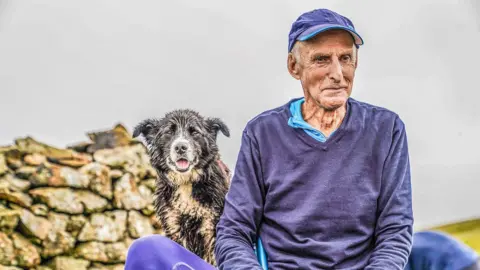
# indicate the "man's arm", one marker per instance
pixel 237 228
pixel 393 232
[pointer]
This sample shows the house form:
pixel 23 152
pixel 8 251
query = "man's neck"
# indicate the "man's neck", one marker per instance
pixel 326 121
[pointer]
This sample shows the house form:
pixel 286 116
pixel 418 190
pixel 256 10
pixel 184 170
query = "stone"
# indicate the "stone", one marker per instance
pixel 35 159
pixel 99 178
pixel 140 170
pixel 69 263
pixel 3 267
pixel 59 176
pixel 62 200
pixel 15 197
pixel 66 200
pixel 103 252
pixel 7 148
pixel 120 157
pixel 58 240
pixel 66 157
pixel 115 174
pixel 7 254
pixel 8 219
pixel 76 224
pixel 25 172
pixel 26 254
pixel 138 225
pixel 146 193
pixel 14 158
pixel 32 225
pixel 126 194
pixel 57 243
pixel 15 183
pixel 98 266
pixel 150 183
pixel 93 203
pixel 42 267
pixel 106 227
pixel 108 139
pixel 3 165
pixel 80 147
pixel 39 210
pixel 149 210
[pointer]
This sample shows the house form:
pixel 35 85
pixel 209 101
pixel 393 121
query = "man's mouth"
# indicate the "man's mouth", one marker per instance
pixel 182 164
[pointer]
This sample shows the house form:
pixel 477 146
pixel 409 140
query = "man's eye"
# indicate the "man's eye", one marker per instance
pixel 346 58
pixel 321 58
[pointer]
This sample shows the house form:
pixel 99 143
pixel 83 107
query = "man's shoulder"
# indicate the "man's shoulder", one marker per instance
pixel 269 118
pixel 373 109
pixel 375 114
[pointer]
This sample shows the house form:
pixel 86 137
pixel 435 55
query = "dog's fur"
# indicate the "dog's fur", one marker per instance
pixel 188 201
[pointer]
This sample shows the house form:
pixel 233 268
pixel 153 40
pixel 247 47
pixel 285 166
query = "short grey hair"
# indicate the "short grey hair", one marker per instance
pixel 296 49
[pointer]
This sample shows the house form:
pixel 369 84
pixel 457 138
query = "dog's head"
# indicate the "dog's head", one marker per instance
pixel 182 140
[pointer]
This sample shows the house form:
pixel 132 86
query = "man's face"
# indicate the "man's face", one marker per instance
pixel 325 65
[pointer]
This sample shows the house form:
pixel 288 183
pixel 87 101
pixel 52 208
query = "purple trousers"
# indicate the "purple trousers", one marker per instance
pixel 157 252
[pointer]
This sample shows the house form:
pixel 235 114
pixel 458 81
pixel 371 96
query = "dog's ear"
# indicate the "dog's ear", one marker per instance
pixel 147 128
pixel 215 125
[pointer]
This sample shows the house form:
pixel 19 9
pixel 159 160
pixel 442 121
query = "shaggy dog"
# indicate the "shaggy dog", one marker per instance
pixel 192 180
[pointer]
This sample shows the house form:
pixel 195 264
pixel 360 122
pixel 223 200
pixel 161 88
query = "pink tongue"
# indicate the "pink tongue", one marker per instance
pixel 182 163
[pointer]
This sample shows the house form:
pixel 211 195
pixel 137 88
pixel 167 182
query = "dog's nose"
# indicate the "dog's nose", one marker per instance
pixel 181 148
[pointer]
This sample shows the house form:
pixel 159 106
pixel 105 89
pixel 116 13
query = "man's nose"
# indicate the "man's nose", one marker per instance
pixel 181 147
pixel 336 72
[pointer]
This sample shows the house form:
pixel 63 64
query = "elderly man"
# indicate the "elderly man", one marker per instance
pixel 324 180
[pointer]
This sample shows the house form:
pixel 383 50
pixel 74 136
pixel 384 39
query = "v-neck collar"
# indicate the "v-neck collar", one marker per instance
pixel 339 132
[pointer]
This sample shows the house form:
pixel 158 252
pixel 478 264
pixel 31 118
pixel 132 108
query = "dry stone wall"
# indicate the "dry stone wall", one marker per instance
pixel 76 208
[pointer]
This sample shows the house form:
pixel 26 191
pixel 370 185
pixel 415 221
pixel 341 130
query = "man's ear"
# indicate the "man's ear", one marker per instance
pixel 215 125
pixel 147 128
pixel 292 65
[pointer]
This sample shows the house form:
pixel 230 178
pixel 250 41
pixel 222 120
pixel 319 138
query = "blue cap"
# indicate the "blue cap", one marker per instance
pixel 316 21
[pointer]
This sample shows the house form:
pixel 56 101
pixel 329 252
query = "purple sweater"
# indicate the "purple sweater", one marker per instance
pixel 341 204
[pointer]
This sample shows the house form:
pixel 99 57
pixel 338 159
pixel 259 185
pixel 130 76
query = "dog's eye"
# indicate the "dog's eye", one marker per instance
pixel 172 129
pixel 194 132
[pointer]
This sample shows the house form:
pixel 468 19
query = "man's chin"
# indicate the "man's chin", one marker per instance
pixel 333 103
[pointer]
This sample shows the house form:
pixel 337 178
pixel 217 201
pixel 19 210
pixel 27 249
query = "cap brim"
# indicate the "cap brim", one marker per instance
pixel 314 30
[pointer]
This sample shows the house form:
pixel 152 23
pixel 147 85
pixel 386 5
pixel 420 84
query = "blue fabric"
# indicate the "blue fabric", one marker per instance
pixel 342 204
pixel 155 252
pixel 296 121
pixel 438 251
pixel 316 21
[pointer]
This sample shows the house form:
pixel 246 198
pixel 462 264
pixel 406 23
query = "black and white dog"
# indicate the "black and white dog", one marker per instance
pixel 192 180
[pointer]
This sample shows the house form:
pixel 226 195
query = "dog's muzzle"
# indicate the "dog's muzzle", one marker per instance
pixel 182 155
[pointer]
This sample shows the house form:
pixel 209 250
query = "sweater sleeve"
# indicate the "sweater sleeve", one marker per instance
pixel 237 227
pixel 393 232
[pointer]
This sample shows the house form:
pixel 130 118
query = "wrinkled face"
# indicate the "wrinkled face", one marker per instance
pixel 181 141
pixel 325 66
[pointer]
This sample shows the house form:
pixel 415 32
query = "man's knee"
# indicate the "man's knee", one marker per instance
pixel 148 252
pixel 150 242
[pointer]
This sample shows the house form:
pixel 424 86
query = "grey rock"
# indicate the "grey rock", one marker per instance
pixel 26 254
pixel 66 200
pixel 69 263
pixel 139 225
pixel 59 176
pixel 126 194
pixel 103 252
pixel 7 253
pixel 99 177
pixel 106 227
